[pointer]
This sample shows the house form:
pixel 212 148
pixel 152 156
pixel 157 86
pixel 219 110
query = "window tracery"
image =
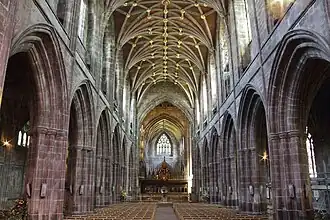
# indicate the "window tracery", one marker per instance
pixel 164 146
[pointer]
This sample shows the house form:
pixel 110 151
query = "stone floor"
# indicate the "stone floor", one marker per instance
pixel 180 211
pixel 165 213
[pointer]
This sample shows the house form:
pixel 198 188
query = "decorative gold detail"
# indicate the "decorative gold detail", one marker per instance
pixel 164 172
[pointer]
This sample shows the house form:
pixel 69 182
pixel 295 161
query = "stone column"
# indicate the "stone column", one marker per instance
pixel 290 176
pixel 44 179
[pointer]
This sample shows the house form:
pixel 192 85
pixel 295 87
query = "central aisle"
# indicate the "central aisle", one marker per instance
pixel 165 213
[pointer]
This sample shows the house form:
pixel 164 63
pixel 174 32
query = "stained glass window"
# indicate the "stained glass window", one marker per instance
pixel 164 146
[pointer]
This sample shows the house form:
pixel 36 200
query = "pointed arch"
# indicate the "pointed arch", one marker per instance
pixel 124 163
pixel 214 167
pixel 300 70
pixel 38 46
pixel 206 166
pixel 103 161
pixel 253 144
pixel 131 170
pixel 229 161
pixel 116 171
pixel 296 51
pixel 80 176
pixel 40 43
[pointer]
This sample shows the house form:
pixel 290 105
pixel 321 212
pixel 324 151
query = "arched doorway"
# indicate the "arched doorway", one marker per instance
pixel 229 163
pixel 254 154
pixel 79 180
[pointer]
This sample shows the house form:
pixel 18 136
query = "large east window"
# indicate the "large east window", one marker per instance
pixel 164 146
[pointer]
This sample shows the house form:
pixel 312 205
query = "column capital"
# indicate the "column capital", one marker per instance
pixel 48 131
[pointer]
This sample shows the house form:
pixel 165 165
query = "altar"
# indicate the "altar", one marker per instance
pixel 153 188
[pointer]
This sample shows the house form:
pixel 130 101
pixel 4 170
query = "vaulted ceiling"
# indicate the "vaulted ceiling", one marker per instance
pixel 165 118
pixel 166 43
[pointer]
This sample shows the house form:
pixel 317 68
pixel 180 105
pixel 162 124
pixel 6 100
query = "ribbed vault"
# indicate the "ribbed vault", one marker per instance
pixel 165 118
pixel 165 41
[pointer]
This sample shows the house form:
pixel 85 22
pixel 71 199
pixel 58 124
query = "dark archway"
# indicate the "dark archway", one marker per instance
pixel 131 172
pixel 124 165
pixel 205 171
pixel 116 168
pixel 298 85
pixel 34 72
pixel 254 154
pixel 229 162
pixel 197 172
pixel 18 108
pixel 102 166
pixel 214 167
pixel 79 181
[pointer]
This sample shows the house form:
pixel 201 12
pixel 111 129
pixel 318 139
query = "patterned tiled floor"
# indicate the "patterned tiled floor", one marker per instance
pixel 125 211
pixel 197 211
pixel 149 211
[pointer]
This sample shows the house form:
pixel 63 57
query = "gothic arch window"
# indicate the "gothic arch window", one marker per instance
pixel 198 112
pixel 213 77
pixel 163 145
pixel 310 154
pixel 275 10
pixel 204 98
pixel 82 25
pixel 243 31
pixel 224 59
